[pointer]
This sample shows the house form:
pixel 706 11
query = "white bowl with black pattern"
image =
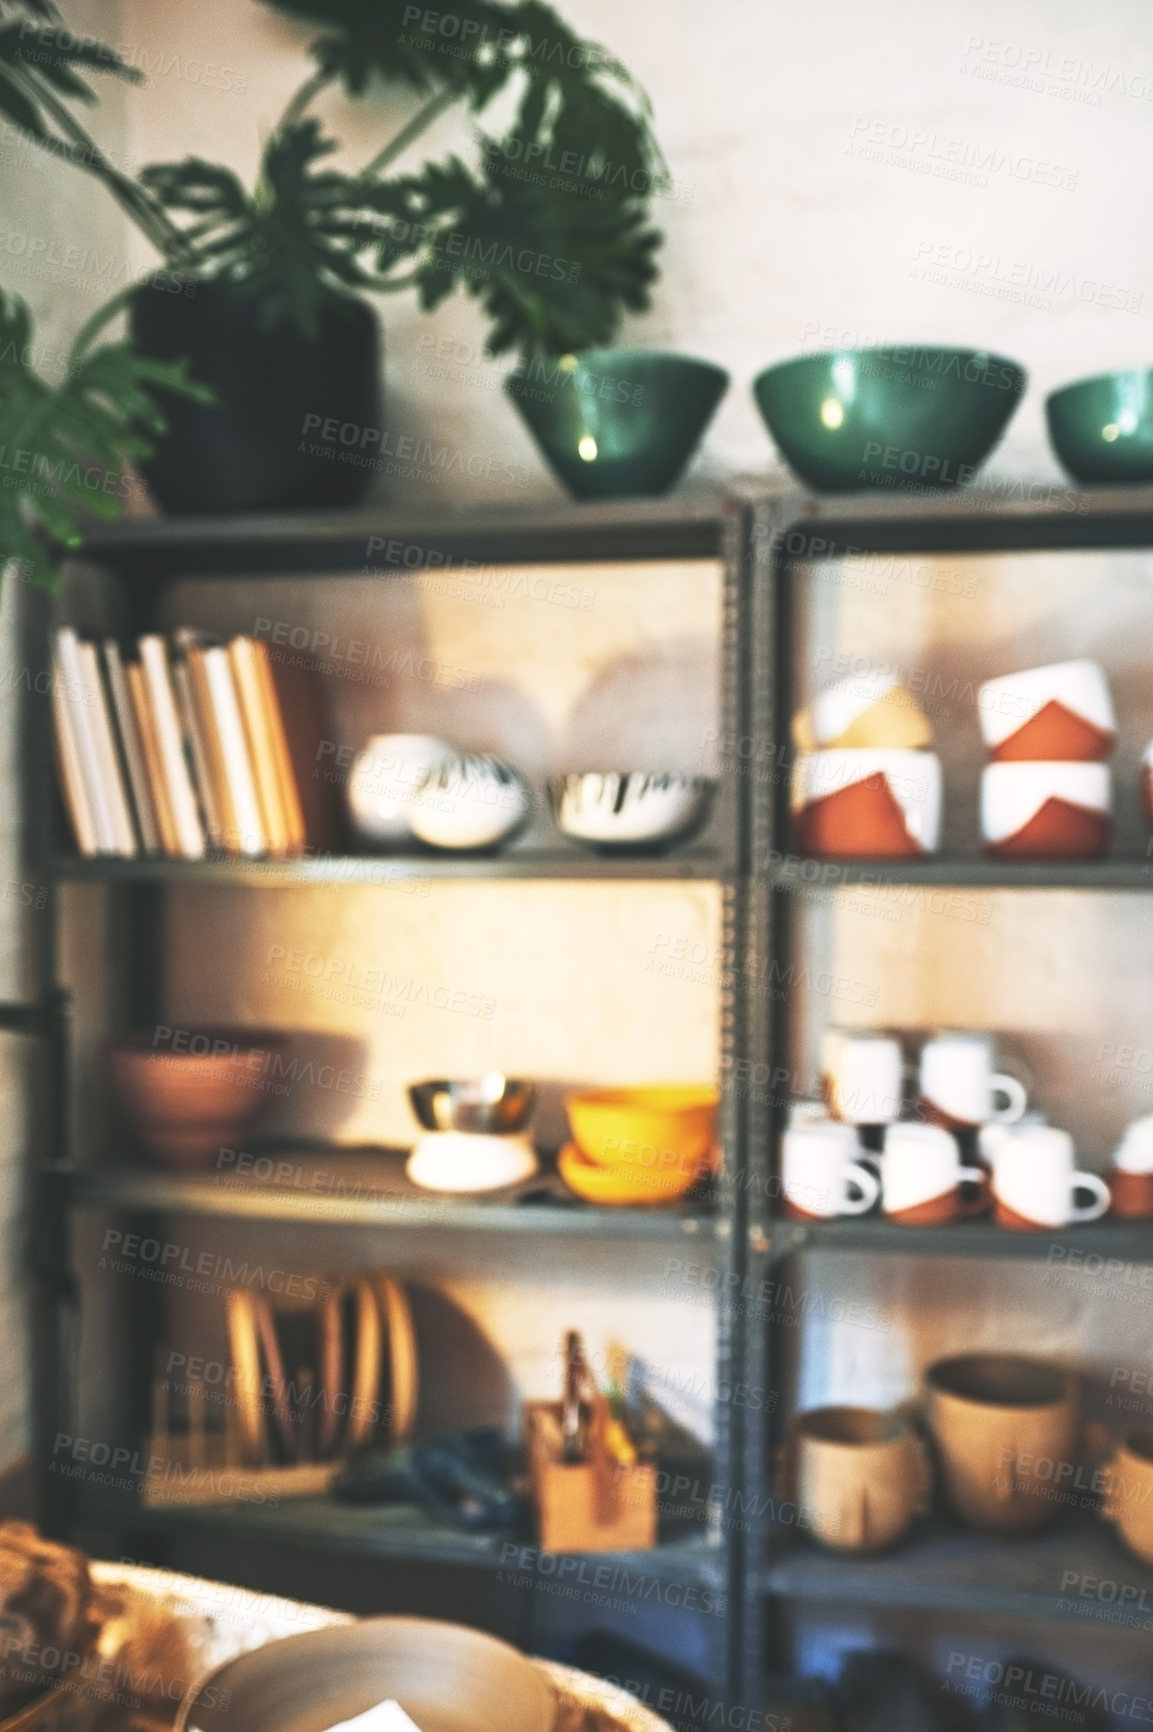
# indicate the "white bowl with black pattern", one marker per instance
pixel 469 802
pixel 632 811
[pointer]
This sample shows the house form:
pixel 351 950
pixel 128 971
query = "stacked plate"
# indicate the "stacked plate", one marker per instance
pixel 322 1381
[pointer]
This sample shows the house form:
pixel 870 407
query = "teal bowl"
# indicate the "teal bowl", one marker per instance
pixel 1102 428
pixel 902 417
pixel 615 423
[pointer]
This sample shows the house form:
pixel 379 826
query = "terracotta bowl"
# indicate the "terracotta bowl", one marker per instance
pixel 445 1677
pixel 190 1093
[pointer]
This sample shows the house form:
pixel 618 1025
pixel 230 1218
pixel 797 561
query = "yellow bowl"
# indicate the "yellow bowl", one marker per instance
pixel 622 1190
pixel 664 1130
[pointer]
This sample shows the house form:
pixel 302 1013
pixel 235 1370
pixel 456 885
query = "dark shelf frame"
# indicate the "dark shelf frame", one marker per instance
pixel 144 559
pixel 794 529
pixel 761 537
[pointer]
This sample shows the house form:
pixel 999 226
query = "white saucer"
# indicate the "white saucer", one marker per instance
pixel 468 1161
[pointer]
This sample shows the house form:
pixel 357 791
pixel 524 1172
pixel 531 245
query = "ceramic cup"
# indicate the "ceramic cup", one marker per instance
pixel 1131 1175
pixel 1060 713
pixel 862 804
pixel 385 778
pixel 1046 811
pixel 1035 1181
pixel 873 710
pixel 991 1136
pixel 959 1087
pixel 1002 1425
pixel 860 1476
pixel 821 1173
pixel 922 1175
pixel 863 1075
pixel 1129 1492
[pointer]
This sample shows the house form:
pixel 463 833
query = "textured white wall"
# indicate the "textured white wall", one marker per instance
pixel 841 173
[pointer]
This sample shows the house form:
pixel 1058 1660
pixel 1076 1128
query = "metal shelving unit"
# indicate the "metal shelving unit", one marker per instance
pixel 761 542
pixel 940 1566
pixel 143 560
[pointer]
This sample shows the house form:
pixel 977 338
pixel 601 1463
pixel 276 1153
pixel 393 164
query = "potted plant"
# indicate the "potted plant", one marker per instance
pixel 275 317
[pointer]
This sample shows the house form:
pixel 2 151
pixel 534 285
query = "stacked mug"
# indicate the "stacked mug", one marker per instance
pixel 857 1148
pixel 866 786
pixel 1046 793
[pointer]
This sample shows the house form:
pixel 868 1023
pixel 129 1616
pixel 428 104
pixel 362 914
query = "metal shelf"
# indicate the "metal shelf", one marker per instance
pixel 400 1533
pixel 942 1567
pixel 386 869
pixel 374 542
pixel 962 872
pixel 1006 517
pixel 333 1189
pixel 1129 1242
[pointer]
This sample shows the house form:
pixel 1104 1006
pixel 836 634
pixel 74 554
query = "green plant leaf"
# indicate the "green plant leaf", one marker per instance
pixel 63 447
pixel 579 226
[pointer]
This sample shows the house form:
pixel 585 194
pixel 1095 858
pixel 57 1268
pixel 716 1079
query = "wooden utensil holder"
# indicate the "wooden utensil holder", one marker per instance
pixel 595 1505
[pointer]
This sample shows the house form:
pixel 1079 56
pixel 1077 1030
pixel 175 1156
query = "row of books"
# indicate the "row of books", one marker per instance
pixel 197 746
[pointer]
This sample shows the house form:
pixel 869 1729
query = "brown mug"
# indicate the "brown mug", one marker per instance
pixel 1002 1426
pixel 1129 1492
pixel 859 1476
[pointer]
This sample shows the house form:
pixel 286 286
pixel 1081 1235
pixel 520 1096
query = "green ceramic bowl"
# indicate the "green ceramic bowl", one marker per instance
pixel 1102 428
pixel 617 422
pixel 902 417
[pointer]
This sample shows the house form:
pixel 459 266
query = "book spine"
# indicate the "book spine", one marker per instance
pixel 249 837
pixel 132 751
pixel 190 721
pixel 190 831
pixel 296 833
pixel 150 745
pixel 124 841
pixel 75 792
pixel 260 754
pixel 75 696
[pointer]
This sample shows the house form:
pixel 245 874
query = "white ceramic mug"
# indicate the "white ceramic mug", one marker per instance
pixel 958 1085
pixel 921 1176
pixel 1035 1180
pixel 863 1075
pixel 821 1173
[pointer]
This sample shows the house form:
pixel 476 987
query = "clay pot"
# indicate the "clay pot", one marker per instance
pixel 860 1476
pixel 1129 1492
pixel 1002 1425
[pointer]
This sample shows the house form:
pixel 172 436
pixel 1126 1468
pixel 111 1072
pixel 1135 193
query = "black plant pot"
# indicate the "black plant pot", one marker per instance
pixel 297 420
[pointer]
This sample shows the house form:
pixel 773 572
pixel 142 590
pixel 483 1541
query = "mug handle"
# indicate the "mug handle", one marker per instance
pixel 976 1205
pixel 1003 1084
pixel 1101 1198
pixel 867 1183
